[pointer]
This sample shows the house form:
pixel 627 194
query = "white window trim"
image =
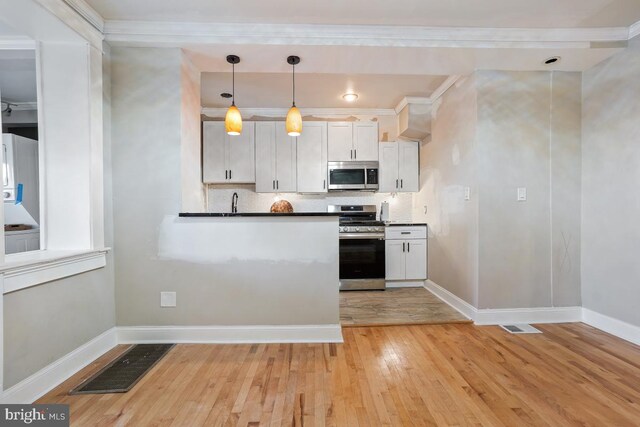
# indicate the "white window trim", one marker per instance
pixel 29 269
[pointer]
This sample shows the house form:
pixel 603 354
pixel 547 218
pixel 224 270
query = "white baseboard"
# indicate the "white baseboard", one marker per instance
pixel 38 384
pixel 528 315
pixel 466 309
pixel 616 327
pixel 230 334
pixel 405 284
pixel 506 316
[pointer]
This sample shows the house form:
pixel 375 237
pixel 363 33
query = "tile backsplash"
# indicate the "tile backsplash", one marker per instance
pixel 219 200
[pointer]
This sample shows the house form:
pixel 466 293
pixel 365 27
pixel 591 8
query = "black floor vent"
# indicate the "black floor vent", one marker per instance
pixel 123 373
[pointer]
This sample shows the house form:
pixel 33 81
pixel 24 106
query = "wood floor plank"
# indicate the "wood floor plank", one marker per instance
pixel 422 375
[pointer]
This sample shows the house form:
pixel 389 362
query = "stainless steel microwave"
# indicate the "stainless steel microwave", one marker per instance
pixel 353 176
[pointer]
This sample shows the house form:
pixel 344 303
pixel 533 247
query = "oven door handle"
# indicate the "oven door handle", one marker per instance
pixel 361 236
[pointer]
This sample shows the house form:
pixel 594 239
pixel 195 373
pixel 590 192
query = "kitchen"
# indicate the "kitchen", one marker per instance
pixel 362 168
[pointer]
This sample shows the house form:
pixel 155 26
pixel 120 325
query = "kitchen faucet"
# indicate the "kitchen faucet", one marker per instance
pixel 234 203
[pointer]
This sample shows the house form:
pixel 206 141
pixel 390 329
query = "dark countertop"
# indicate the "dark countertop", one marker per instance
pixel 406 224
pixel 250 214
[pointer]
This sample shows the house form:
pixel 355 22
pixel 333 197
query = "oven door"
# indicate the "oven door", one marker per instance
pixel 362 264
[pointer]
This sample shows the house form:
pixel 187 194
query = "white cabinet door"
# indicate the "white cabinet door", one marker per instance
pixel 312 158
pixel 241 156
pixel 365 141
pixel 285 160
pixel 265 157
pixel 408 166
pixel 388 168
pixel 394 259
pixel 340 136
pixel 416 260
pixel 214 162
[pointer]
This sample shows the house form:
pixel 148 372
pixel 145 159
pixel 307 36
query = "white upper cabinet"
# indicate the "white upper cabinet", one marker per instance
pixel 352 141
pixel 312 158
pixel 228 159
pixel 276 159
pixel 365 141
pixel 399 167
pixel 340 135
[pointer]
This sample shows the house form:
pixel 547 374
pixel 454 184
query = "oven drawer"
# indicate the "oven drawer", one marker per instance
pixel 405 233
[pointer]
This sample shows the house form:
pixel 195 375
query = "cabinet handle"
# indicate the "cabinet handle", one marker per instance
pixel 351 154
pixel 229 173
pixel 408 247
pixel 324 184
pixel 401 184
pixel 405 232
pixel 396 183
pixel 355 154
pixel 274 184
pixel 277 184
pixel 226 174
pixel 403 243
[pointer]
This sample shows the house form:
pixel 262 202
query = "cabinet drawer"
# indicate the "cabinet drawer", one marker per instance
pixel 404 233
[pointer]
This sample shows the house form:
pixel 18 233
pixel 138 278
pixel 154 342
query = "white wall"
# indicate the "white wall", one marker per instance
pixel 610 196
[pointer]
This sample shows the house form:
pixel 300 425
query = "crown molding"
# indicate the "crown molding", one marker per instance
pixel 634 30
pixel 87 12
pixel 66 12
pixel 172 33
pixel 318 112
pixel 411 100
pixel 440 90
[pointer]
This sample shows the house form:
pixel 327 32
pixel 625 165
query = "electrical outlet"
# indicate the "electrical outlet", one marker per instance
pixel 522 194
pixel 467 193
pixel 167 299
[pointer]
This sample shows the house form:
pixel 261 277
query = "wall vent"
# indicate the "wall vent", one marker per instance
pixel 520 329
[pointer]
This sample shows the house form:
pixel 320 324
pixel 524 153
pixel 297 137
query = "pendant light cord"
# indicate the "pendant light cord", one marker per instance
pixel 233 84
pixel 294 85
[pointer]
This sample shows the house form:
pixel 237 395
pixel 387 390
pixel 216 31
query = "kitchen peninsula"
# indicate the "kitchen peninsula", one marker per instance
pixel 258 269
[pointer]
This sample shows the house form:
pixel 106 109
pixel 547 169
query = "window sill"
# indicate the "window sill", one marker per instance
pixel 29 269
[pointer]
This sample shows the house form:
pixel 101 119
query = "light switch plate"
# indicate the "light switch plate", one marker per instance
pixel 167 299
pixel 467 193
pixel 522 194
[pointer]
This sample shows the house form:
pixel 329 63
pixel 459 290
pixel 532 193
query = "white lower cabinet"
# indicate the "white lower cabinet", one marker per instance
pixel 406 253
pixel 21 241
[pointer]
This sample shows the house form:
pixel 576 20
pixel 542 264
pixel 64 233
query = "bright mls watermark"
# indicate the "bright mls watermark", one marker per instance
pixel 34 415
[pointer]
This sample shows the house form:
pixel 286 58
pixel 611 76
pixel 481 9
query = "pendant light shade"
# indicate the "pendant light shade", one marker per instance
pixel 233 119
pixel 293 123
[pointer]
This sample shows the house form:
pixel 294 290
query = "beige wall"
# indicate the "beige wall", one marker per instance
pixel 610 178
pixel 495 132
pixel 448 165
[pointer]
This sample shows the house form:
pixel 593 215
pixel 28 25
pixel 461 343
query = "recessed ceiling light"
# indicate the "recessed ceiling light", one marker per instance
pixel 552 60
pixel 226 95
pixel 350 97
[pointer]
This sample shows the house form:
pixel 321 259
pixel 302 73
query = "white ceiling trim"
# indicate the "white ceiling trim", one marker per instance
pixel 22 106
pixel 634 30
pixel 440 90
pixel 87 12
pixel 320 112
pixel 79 23
pixel 148 32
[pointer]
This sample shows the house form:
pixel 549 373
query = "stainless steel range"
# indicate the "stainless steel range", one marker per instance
pixel 362 262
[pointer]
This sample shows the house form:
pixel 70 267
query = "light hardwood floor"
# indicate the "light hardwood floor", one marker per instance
pixel 395 306
pixel 456 374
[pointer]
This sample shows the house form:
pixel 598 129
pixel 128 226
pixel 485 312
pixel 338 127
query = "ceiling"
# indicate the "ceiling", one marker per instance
pixel 455 13
pixel 18 76
pixel 268 90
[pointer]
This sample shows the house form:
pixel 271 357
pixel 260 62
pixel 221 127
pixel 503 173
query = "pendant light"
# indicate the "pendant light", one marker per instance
pixel 233 119
pixel 294 118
